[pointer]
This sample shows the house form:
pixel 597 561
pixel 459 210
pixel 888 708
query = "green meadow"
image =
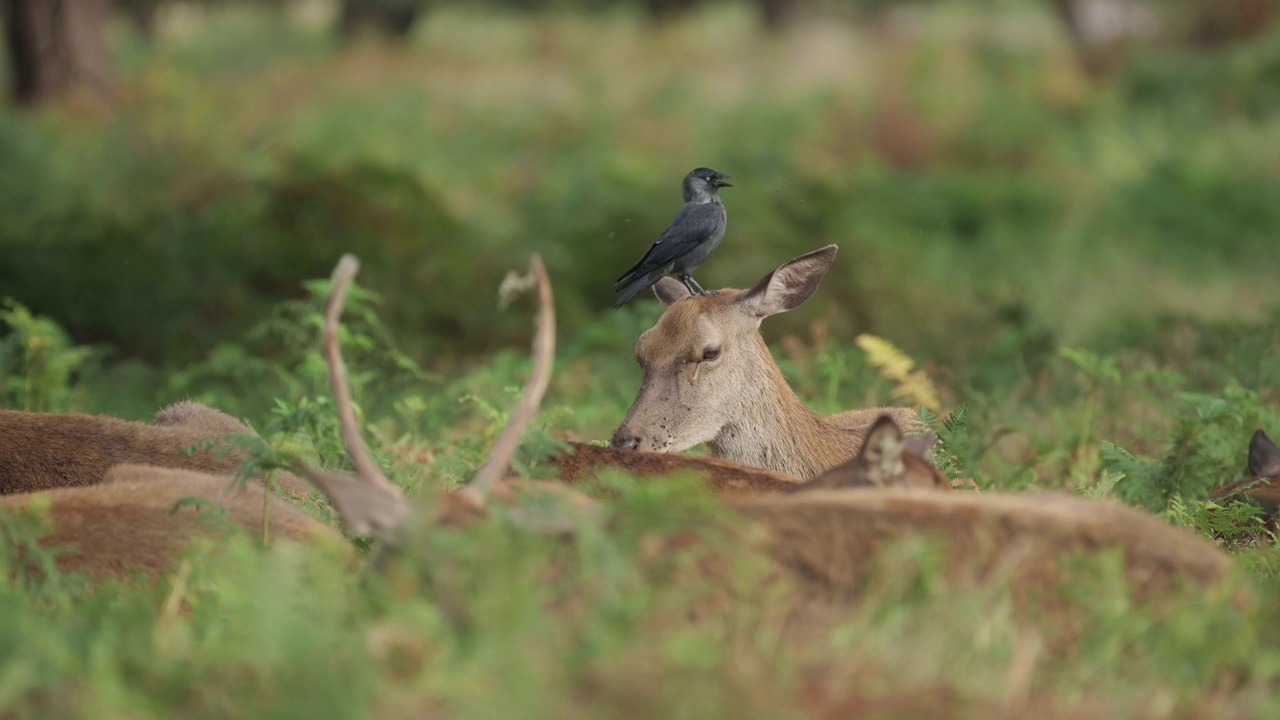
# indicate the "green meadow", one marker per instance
pixel 1085 268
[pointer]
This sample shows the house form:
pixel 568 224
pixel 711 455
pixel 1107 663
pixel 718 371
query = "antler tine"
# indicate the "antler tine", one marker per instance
pixel 544 350
pixel 366 468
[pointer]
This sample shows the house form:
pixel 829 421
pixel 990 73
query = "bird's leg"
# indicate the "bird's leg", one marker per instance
pixel 692 284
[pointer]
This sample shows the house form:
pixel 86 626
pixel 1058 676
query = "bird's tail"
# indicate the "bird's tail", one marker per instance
pixel 637 285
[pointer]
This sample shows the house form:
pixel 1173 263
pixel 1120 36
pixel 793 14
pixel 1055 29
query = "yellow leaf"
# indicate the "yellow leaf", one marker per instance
pixel 911 385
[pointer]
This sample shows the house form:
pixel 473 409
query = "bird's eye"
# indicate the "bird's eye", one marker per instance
pixel 710 354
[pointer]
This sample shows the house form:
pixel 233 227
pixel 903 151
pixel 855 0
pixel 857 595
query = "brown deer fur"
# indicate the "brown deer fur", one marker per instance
pixel 830 538
pixel 708 377
pixel 128 522
pixel 40 451
pixel 583 462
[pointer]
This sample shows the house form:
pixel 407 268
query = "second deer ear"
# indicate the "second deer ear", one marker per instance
pixel 1264 456
pixel 670 290
pixel 881 452
pixel 790 285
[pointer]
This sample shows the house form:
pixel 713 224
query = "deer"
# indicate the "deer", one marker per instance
pixel 134 520
pixel 116 514
pixel 1263 485
pixel 826 537
pixel 42 451
pixel 707 377
pixel 831 539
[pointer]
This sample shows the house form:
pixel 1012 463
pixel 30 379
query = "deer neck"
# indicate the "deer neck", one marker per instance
pixel 774 429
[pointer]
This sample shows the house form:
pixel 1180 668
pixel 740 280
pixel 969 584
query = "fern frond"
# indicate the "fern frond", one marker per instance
pixel 958 420
pixel 886 357
pixel 910 384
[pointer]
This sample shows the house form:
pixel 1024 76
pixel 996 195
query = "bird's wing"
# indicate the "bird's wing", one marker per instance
pixel 693 224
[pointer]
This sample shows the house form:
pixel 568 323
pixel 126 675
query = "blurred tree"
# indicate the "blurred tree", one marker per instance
pixel 1224 21
pixel 777 13
pixel 663 10
pixel 773 13
pixel 54 46
pixel 142 13
pixel 393 17
pixel 1105 31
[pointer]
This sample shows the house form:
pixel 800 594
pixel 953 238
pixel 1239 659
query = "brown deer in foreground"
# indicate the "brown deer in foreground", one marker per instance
pixel 40 451
pixel 130 520
pixel 827 539
pixel 115 518
pixel 708 377
pixel 832 538
pixel 1263 487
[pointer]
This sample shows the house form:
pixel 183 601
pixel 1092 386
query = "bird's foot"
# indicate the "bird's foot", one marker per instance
pixel 692 285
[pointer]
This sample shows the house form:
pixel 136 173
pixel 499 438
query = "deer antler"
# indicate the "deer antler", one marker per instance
pixel 544 350
pixel 366 468
pixel 376 506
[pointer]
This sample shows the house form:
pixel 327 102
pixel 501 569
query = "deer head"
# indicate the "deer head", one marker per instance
pixel 705 367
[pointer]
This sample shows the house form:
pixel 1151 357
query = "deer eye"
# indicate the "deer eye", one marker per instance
pixel 710 354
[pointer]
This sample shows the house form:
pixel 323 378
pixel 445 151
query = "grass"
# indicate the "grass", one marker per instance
pixel 1085 265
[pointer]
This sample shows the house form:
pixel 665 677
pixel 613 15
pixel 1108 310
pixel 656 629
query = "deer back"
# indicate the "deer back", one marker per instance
pixel 41 451
pixel 832 538
pixel 129 522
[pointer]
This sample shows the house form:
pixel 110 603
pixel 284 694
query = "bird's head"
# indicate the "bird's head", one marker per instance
pixel 704 180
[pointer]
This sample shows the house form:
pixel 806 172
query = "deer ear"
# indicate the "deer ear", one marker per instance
pixel 881 452
pixel 790 285
pixel 1264 456
pixel 670 290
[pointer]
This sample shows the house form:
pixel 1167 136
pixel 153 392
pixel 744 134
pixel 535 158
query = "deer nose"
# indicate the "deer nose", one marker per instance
pixel 623 441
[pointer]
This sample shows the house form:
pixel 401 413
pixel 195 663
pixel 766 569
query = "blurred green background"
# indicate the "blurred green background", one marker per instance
pixel 1066 212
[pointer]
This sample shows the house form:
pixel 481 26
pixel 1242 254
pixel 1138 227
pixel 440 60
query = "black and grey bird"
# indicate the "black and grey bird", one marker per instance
pixel 696 230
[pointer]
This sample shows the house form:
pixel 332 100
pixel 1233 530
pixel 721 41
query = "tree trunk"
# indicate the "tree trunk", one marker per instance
pixel 54 46
pixel 662 11
pixel 395 18
pixel 777 13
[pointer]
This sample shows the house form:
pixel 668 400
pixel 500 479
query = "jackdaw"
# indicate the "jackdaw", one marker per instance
pixel 694 233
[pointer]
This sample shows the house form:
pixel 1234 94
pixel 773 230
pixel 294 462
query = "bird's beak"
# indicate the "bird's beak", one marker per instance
pixel 720 181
